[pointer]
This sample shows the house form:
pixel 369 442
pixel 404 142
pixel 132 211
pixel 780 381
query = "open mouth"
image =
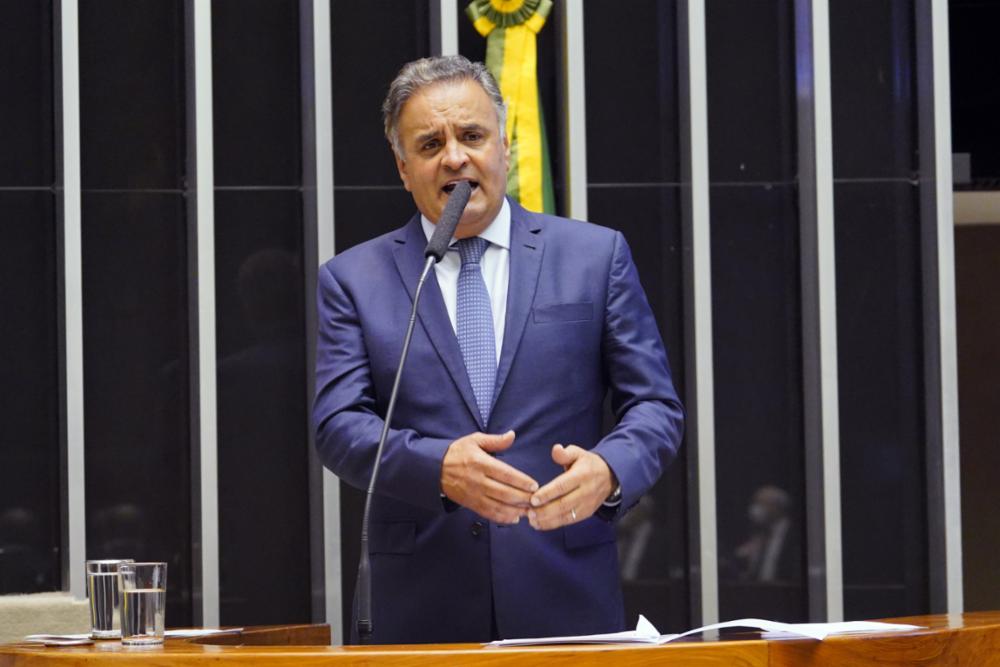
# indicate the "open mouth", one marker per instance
pixel 451 186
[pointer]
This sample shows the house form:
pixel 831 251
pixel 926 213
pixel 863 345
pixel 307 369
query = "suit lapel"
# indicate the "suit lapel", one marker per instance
pixel 526 250
pixel 409 257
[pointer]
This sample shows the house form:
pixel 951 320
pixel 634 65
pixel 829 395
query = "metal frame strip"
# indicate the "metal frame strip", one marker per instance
pixel 575 119
pixel 819 311
pixel 444 28
pixel 74 495
pixel 328 491
pixel 204 206
pixel 948 340
pixel 700 396
pixel 827 282
pixel 940 339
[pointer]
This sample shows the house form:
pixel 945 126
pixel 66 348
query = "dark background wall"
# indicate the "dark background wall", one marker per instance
pixel 30 510
pixel 260 309
pixel 879 312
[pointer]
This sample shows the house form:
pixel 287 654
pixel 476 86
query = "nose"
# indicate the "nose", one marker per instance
pixel 454 156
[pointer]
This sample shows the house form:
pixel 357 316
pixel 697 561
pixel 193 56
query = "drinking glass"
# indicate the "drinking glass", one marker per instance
pixel 105 599
pixel 144 599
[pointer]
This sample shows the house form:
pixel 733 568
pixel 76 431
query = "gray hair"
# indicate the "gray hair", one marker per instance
pixel 428 71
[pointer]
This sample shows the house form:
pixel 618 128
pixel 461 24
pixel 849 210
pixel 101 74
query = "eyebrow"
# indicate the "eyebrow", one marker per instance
pixel 427 136
pixel 473 126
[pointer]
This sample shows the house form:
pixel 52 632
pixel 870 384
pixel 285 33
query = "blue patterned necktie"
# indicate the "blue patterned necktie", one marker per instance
pixel 475 324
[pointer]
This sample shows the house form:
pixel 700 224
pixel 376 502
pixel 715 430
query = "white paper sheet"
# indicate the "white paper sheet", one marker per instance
pixel 85 638
pixel 201 632
pixel 81 639
pixel 843 628
pixel 646 633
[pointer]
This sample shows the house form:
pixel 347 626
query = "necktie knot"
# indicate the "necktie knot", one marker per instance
pixel 471 250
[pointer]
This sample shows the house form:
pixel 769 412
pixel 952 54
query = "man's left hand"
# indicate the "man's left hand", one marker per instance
pixel 574 495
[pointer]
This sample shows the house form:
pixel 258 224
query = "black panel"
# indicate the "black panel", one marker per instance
pixel 472 45
pixel 751 90
pixel 371 41
pixel 263 417
pixel 652 538
pixel 880 354
pixel 255 65
pixel 30 505
pixel 975 97
pixel 132 110
pixel 632 101
pixel 758 401
pixel 873 82
pixel 879 308
pixel 29 453
pixel 26 113
pixel 365 214
pixel 756 313
pixel 135 326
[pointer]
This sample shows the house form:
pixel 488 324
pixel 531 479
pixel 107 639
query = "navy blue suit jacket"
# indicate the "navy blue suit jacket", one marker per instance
pixel 578 326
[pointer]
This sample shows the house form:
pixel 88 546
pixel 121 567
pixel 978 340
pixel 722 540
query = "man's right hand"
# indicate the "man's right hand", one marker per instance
pixel 487 486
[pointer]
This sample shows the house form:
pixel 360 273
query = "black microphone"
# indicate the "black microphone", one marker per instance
pixel 436 248
pixel 445 227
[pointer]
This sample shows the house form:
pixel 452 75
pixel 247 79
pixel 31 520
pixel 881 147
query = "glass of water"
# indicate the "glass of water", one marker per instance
pixel 104 597
pixel 144 599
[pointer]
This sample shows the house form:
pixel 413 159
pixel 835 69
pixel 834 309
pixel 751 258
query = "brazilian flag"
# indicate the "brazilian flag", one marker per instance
pixel 510 28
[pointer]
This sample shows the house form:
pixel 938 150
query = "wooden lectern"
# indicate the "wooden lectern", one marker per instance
pixel 962 639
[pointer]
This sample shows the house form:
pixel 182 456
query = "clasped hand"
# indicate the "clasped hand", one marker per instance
pixel 473 478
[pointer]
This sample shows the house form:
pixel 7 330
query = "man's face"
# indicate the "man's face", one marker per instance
pixel 449 132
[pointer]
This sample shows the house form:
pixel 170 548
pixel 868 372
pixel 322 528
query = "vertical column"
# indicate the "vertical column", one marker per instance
pixel 940 344
pixel 444 27
pixel 318 184
pixel 202 295
pixel 575 121
pixel 819 311
pixel 700 398
pixel 74 504
pixel 310 237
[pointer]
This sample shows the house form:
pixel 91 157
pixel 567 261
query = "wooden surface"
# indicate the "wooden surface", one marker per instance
pixel 969 639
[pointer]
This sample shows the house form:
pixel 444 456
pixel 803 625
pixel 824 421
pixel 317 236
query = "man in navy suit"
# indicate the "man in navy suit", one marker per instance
pixel 495 501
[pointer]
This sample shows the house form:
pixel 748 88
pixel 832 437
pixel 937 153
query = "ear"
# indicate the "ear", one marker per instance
pixel 506 152
pixel 401 166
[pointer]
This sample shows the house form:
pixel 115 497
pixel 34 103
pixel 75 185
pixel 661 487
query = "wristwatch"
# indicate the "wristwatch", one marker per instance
pixel 615 498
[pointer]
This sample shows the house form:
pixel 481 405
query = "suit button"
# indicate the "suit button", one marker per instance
pixel 477 528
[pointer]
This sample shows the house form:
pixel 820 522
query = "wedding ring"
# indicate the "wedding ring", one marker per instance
pixel 572 513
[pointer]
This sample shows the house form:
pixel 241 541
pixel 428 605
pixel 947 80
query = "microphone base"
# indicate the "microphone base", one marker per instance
pixel 365 632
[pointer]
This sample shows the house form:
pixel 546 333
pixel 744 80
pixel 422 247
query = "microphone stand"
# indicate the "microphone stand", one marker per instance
pixel 364 581
pixel 436 248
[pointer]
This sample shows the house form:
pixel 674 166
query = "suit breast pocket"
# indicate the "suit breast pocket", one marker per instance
pixel 563 312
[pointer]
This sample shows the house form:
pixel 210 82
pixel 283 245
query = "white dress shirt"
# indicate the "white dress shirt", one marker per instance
pixel 495 266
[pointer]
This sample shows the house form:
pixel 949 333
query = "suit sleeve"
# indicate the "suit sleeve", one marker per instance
pixel 347 425
pixel 649 415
